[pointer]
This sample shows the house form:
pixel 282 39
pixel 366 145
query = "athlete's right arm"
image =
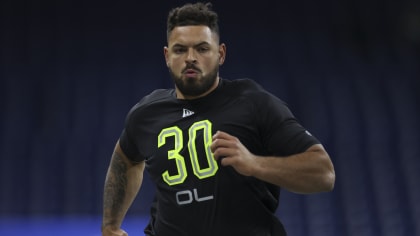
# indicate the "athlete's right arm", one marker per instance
pixel 122 183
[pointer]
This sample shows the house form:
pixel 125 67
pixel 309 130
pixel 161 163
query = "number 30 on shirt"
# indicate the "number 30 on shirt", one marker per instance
pixel 174 155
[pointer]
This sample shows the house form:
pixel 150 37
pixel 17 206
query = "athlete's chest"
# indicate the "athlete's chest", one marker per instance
pixel 178 145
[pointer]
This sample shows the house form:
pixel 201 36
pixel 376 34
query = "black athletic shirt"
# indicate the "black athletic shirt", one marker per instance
pixel 195 195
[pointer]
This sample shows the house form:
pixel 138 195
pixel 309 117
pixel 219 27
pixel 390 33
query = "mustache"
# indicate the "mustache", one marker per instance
pixel 191 66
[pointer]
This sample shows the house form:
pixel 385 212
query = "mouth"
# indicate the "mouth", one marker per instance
pixel 191 72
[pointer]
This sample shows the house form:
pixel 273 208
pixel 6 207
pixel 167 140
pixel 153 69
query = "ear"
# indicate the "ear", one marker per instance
pixel 165 53
pixel 222 53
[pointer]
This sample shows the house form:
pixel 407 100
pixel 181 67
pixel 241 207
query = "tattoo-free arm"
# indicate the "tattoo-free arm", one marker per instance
pixel 308 172
pixel 122 183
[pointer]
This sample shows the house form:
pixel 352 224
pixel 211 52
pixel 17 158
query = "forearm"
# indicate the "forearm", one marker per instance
pixel 122 183
pixel 307 172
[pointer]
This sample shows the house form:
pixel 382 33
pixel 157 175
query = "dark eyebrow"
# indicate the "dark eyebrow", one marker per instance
pixel 178 45
pixel 201 44
pixel 197 45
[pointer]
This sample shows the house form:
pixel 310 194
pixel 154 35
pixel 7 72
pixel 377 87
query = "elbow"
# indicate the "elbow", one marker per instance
pixel 328 174
pixel 328 181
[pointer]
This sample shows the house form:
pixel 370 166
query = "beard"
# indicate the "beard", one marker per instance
pixel 195 86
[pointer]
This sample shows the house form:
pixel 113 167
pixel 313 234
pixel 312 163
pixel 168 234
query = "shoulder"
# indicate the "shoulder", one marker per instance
pixel 156 96
pixel 250 89
pixel 253 95
pixel 243 85
pixel 148 101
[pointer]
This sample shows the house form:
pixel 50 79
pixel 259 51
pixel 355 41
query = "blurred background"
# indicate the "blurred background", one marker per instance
pixel 71 70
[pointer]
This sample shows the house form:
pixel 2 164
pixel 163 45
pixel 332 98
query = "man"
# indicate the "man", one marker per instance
pixel 218 150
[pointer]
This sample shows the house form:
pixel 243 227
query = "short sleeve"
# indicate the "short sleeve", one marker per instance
pixel 127 141
pixel 283 134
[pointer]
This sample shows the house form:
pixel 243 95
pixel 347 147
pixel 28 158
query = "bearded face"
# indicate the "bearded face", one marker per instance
pixel 193 57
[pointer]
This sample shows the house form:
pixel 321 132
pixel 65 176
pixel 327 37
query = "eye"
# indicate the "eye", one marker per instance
pixel 179 50
pixel 203 49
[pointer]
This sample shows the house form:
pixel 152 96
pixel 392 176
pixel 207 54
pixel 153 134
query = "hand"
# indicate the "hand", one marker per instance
pixel 112 232
pixel 232 153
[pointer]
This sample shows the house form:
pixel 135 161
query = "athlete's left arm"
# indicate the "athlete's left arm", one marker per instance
pixel 311 171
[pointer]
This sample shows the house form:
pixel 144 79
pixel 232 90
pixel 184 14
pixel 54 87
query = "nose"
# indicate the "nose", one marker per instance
pixel 191 58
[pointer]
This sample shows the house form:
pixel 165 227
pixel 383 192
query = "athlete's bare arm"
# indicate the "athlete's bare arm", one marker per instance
pixel 122 183
pixel 307 172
